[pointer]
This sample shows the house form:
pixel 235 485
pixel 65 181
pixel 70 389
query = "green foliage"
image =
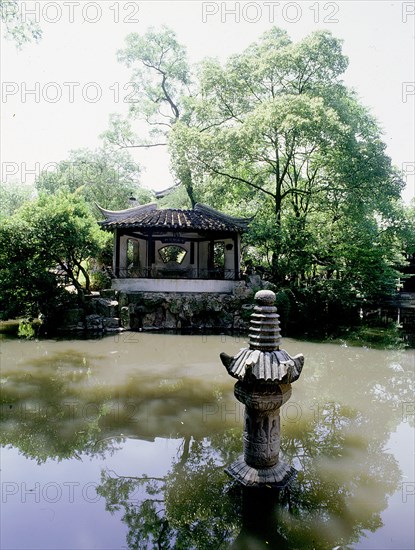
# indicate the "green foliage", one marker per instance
pixel 26 330
pixel 160 68
pixel 44 243
pixel 375 337
pixel 172 253
pixel 323 306
pixel 12 196
pixel 271 133
pixel 177 198
pixel 162 96
pixel 15 28
pixel 107 177
pixel 275 134
pixel 99 280
pixel 27 286
pixel 408 228
pixel 65 234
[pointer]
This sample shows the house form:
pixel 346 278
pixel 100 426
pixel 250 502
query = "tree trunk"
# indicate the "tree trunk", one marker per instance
pixel 77 285
pixel 187 181
pixel 87 278
pixel 275 267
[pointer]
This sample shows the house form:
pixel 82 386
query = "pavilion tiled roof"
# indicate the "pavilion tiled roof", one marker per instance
pixel 148 216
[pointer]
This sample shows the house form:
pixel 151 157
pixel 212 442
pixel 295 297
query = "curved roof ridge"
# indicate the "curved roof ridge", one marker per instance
pixel 114 215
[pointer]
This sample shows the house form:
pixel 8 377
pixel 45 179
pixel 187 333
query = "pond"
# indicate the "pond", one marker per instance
pixel 121 442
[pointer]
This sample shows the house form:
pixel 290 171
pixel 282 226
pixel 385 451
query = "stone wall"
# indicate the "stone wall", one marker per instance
pixel 170 311
pixel 113 310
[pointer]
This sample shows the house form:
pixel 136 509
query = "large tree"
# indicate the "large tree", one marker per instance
pixel 27 286
pixel 162 87
pixel 51 237
pixel 65 234
pixel 276 133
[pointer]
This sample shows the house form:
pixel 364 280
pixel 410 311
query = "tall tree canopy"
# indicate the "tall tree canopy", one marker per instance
pixel 162 87
pixel 274 132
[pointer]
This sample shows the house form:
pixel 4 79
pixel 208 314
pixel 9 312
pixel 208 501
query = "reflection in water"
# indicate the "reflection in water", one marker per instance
pixel 84 400
pixel 196 506
pixel 188 508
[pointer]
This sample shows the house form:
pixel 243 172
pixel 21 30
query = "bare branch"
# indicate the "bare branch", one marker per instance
pixel 143 146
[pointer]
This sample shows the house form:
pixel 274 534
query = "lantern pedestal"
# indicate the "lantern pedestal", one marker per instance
pixel 264 374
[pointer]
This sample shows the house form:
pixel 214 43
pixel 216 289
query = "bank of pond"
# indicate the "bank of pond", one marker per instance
pixel 383 328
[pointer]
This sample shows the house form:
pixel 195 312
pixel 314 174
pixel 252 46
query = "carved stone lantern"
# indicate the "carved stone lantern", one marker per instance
pixel 264 374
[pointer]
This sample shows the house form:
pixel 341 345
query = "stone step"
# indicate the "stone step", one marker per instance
pixel 111 323
pixel 98 322
pixel 105 307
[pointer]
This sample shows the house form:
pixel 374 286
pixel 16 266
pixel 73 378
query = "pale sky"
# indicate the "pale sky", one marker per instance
pixel 79 44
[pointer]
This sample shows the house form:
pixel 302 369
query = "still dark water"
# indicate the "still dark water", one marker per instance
pixel 121 443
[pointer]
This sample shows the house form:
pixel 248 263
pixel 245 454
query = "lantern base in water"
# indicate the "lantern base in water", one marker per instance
pixel 278 476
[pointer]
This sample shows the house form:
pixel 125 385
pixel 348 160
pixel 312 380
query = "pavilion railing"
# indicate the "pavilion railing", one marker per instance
pixel 164 273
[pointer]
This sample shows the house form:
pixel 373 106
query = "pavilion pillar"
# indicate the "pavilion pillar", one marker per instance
pixel 122 255
pixel 202 258
pixel 211 255
pixel 150 255
pixel 237 255
pixel 116 256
